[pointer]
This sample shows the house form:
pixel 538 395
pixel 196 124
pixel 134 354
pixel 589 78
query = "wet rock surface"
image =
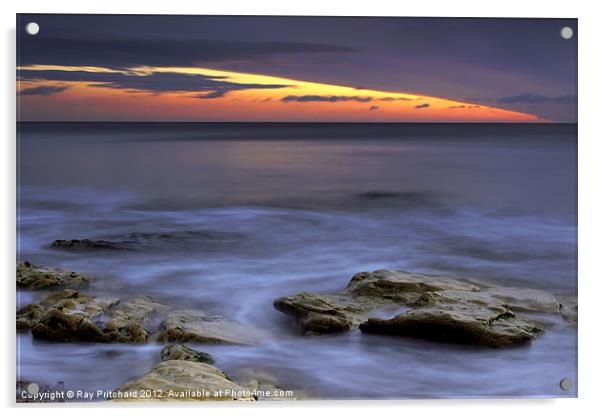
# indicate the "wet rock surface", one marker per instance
pixel 73 316
pixel 458 317
pixel 264 384
pixel 322 313
pixel 326 313
pixel 33 277
pixel 441 309
pixel 182 352
pixel 192 325
pixel 400 286
pixel 183 380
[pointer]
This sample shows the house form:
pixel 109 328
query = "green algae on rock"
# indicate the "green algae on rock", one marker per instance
pixel 34 277
pixel 73 316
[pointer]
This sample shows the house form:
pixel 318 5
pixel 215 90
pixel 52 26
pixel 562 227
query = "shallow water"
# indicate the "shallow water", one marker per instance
pixel 292 212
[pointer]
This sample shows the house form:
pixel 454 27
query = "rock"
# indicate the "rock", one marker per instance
pixel 524 300
pixel 34 277
pixel 141 240
pixel 456 318
pixel 569 308
pixel 401 287
pixel 28 316
pixel 322 313
pixel 198 326
pixel 263 384
pixel 182 352
pixel 183 380
pixel 72 316
pixel 86 244
pixel 442 309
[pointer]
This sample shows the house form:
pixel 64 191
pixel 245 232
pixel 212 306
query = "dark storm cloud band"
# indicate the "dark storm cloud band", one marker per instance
pixel 338 98
pixel 530 98
pixel 325 98
pixel 157 82
pixel 130 52
pixel 43 90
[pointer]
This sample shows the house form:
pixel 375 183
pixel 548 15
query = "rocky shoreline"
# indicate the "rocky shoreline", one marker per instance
pixel 383 302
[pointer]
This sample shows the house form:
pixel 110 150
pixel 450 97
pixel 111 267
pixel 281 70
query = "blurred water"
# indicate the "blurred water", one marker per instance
pixel 304 208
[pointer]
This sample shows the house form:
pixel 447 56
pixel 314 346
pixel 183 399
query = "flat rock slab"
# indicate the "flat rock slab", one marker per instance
pixel 194 325
pixel 34 277
pixel 525 300
pixel 73 316
pixel 323 314
pixel 182 380
pixel 457 323
pixel 401 286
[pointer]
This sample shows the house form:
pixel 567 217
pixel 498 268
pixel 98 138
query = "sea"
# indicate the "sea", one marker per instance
pixel 233 215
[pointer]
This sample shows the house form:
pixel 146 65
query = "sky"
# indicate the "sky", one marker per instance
pixel 259 68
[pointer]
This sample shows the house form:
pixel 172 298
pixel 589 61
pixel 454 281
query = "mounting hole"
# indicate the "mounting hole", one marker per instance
pixel 32 28
pixel 566 32
pixel 565 384
pixel 33 388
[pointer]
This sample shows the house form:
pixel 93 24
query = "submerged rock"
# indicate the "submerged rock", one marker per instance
pixel 72 316
pixel 442 309
pixel 87 244
pixel 35 277
pixel 182 352
pixel 183 380
pixel 141 240
pixel 569 308
pixel 198 326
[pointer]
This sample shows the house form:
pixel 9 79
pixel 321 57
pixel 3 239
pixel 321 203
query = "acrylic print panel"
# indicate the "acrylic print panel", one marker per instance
pixel 258 208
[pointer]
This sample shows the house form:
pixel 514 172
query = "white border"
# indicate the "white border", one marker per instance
pixel 590 203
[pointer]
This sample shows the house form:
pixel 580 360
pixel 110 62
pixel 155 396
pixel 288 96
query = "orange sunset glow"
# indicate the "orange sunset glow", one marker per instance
pixel 248 97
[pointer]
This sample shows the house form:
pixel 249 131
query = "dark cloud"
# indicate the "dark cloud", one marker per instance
pixel 453 107
pixel 158 82
pixel 373 107
pixel 325 98
pixel 538 99
pixel 127 41
pixel 425 105
pixel 44 90
pixel 395 99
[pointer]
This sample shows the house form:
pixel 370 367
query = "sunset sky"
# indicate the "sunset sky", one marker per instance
pixel 212 68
